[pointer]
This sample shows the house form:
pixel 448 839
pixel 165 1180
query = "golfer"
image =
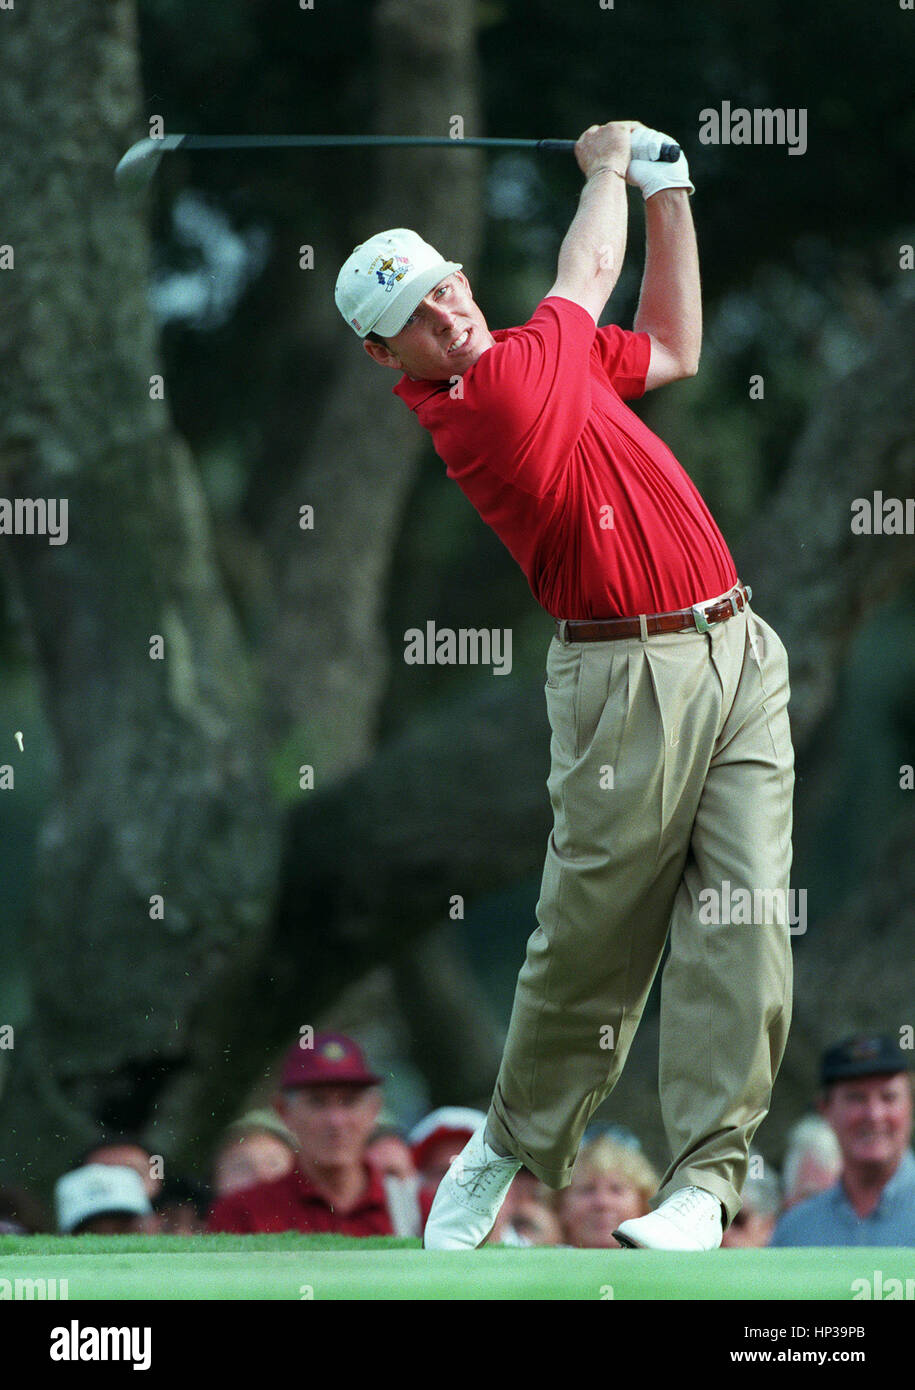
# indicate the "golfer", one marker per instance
pixel 671 773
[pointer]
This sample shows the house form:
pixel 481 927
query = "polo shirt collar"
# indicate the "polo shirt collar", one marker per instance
pixel 415 392
pixel 372 1198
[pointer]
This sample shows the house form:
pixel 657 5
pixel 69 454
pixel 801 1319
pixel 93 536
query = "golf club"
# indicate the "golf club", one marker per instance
pixel 137 167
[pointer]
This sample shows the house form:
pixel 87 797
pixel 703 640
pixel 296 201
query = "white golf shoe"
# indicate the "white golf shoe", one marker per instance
pixel 690 1219
pixel 469 1196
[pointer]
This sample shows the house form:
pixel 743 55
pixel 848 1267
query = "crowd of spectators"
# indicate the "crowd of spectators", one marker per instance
pixel 323 1157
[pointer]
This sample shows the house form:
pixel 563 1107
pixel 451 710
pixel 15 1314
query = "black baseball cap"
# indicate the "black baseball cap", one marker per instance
pixel 864 1054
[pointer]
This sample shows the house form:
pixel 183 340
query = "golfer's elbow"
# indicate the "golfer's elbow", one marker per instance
pixel 670 361
pixel 688 347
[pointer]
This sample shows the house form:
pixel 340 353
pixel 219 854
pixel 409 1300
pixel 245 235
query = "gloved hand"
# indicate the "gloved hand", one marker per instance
pixel 649 174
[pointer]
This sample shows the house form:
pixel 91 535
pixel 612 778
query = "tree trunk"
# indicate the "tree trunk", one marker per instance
pixel 812 578
pixel 324 660
pixel 161 788
pixel 162 763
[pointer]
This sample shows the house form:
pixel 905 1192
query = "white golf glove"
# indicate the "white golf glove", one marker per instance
pixel 647 172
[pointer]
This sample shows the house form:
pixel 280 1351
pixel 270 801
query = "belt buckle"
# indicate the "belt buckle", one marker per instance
pixel 701 621
pixel 739 598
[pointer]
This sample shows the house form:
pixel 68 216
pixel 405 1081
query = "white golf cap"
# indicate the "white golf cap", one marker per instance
pixel 98 1189
pixel 383 280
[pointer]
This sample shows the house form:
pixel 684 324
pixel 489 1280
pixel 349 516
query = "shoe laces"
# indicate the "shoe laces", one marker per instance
pixel 691 1199
pixel 478 1178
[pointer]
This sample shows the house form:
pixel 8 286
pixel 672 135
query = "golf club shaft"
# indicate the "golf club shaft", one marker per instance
pixel 669 153
pixel 138 165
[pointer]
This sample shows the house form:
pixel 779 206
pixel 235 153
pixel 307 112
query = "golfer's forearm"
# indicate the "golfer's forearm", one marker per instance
pixel 670 304
pixel 591 255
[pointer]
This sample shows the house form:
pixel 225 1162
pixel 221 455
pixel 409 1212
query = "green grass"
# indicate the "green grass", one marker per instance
pixel 293 1267
pixel 190 1245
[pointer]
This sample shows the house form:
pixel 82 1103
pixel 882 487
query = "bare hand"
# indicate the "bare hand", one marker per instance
pixel 605 147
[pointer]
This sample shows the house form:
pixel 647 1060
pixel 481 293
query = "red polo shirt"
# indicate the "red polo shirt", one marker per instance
pixel 293 1203
pixel 596 510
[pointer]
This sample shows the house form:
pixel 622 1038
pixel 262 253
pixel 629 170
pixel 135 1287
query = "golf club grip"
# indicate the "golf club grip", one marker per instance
pixel 669 153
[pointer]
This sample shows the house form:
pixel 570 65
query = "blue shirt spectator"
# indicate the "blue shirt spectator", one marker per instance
pixel 830 1219
pixel 866 1098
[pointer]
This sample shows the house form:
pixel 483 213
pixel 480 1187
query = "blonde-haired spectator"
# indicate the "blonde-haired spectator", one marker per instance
pixel 611 1183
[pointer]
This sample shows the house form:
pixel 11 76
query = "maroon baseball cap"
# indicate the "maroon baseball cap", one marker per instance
pixel 330 1059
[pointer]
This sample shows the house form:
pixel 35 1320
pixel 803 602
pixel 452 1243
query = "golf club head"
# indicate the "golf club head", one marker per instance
pixel 136 168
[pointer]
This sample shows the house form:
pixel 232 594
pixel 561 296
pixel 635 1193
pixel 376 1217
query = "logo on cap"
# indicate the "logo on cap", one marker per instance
pixel 389 270
pixel 333 1051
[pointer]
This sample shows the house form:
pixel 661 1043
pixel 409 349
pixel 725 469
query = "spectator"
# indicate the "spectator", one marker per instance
pixel 620 1133
pixel 813 1160
pixel 125 1152
pixel 611 1182
pixel 389 1150
pixel 866 1096
pixel 524 1219
pixel 753 1225
pixel 331 1101
pixel 439 1138
pixel 21 1214
pixel 528 1215
pixel 102 1199
pixel 408 1198
pixel 181 1207
pixel 255 1148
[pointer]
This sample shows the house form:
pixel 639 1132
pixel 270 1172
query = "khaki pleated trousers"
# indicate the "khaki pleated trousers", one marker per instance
pixel 671 781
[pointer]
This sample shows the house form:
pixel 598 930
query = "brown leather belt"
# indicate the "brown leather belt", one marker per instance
pixel 699 618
